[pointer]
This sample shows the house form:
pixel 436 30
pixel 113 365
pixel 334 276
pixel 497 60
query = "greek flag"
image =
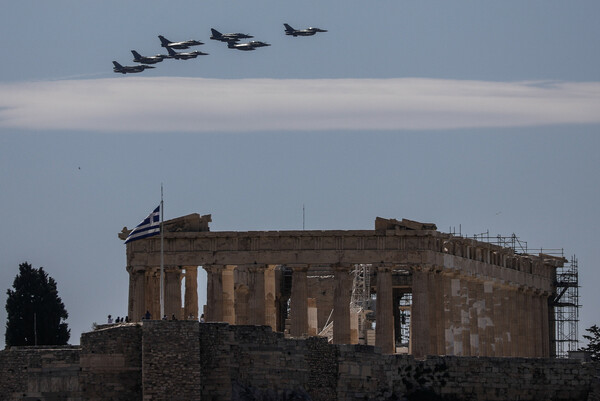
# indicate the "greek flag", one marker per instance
pixel 148 227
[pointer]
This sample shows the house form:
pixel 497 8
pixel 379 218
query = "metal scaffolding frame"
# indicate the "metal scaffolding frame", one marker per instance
pixel 566 308
pixel 361 296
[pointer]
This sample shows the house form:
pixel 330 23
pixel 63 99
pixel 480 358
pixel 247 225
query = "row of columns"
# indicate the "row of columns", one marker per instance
pixel 262 302
pixel 144 293
pixel 450 314
pixel 459 315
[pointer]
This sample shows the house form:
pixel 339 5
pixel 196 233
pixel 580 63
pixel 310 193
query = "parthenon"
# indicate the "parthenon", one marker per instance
pixel 465 297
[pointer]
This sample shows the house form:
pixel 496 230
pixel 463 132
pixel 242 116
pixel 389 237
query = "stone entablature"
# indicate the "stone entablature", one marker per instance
pixel 427 249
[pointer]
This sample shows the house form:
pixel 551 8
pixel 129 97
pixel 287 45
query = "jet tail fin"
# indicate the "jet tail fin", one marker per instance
pixel 215 33
pixel 288 28
pixel 117 65
pixel 136 54
pixel 164 42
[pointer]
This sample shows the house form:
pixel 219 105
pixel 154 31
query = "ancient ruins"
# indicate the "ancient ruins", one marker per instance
pixel 404 284
pixel 295 315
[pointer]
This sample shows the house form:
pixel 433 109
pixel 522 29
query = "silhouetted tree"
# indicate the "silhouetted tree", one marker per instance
pixel 35 311
pixel 593 342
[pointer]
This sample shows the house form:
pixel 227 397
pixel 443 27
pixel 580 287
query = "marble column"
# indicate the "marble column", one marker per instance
pixel 488 290
pixel 438 325
pixel 481 307
pixel 228 294
pixel 434 300
pixel 465 304
pixel 152 292
pixel 502 314
pixel 137 302
pixel 341 305
pixel 498 312
pixel 214 293
pixel 242 303
pixel 312 316
pixel 419 341
pixel 472 288
pixel 384 329
pixel 270 296
pixel 173 293
pixel 191 292
pixel 531 340
pixel 521 327
pixel 456 314
pixel 545 326
pixel 513 319
pixel 459 316
pixel 299 301
pixel 507 320
pixel 256 315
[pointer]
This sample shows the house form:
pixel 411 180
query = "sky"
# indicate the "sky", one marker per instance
pixel 475 116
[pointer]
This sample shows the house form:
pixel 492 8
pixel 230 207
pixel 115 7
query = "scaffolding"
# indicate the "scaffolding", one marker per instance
pixel 566 308
pixel 405 306
pixel 361 287
pixel 360 303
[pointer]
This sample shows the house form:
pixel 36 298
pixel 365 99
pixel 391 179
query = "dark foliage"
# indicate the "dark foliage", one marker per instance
pixel 34 294
pixel 593 342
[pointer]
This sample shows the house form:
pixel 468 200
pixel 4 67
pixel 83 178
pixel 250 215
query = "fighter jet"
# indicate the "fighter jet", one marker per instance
pixel 228 37
pixel 246 46
pixel 164 42
pixel 149 59
pixel 124 69
pixel 183 55
pixel 302 32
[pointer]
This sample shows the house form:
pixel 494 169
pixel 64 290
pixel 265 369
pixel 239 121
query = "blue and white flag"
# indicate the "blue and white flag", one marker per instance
pixel 148 227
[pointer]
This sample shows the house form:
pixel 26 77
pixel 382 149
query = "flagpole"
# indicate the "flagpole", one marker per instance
pixel 162 257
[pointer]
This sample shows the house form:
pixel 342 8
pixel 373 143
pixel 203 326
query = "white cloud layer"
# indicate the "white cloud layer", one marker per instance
pixel 138 104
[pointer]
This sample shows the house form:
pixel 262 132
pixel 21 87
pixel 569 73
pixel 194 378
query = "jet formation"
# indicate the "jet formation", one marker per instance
pixel 231 39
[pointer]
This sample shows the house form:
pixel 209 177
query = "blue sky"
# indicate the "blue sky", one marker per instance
pixel 478 114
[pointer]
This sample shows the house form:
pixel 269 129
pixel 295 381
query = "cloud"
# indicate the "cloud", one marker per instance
pixel 138 104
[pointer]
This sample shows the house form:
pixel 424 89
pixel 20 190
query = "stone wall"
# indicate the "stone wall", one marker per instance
pixel 40 373
pixel 171 360
pixel 111 363
pixel 366 374
pixel 252 362
pixel 184 360
pixel 216 340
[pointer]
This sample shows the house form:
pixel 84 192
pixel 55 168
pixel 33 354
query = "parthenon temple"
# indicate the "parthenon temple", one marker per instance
pixel 404 286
